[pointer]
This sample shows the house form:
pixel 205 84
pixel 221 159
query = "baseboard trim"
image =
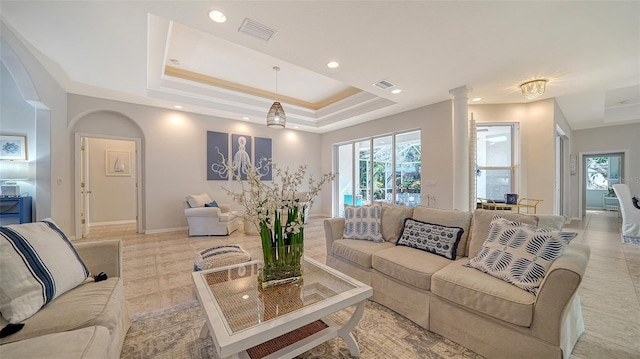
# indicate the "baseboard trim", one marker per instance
pixel 165 230
pixel 110 223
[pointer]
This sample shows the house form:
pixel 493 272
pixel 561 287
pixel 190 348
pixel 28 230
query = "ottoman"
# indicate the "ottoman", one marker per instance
pixel 220 256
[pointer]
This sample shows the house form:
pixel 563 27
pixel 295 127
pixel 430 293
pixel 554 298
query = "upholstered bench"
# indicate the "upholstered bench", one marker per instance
pixel 220 256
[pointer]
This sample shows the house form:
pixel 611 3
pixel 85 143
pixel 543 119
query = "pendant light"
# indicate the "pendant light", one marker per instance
pixel 276 117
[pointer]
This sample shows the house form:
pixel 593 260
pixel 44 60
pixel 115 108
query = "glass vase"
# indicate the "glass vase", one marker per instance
pixel 281 264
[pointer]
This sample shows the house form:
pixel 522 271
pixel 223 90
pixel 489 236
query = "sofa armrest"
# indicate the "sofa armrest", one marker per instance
pixel 202 212
pixel 333 229
pixel 557 291
pixel 224 208
pixel 102 256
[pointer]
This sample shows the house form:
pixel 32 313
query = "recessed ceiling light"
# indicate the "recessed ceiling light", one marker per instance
pixel 177 106
pixel 396 91
pixel 296 126
pixel 332 64
pixel 217 16
pixel 174 61
pixel 245 118
pixel 476 99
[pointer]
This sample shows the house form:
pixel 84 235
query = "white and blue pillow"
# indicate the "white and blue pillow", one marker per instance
pixel 363 222
pixel 520 254
pixel 433 238
pixel 37 264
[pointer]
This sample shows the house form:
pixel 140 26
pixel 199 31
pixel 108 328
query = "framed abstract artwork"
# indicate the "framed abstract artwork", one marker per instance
pixel 13 147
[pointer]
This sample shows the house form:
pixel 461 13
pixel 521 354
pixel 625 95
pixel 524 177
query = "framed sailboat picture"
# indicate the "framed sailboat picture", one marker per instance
pixel 118 163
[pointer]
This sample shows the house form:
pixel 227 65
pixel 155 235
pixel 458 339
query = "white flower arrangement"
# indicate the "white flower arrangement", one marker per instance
pixel 272 207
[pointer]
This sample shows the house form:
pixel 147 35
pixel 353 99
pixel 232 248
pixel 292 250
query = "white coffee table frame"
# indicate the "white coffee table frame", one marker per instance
pixel 235 345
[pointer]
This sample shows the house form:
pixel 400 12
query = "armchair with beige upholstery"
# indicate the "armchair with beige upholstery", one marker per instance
pixel 206 220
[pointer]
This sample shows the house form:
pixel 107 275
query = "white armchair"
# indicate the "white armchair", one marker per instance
pixel 630 214
pixel 209 221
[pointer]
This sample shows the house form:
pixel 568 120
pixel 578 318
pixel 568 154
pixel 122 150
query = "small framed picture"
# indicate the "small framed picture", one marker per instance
pixel 13 147
pixel 118 163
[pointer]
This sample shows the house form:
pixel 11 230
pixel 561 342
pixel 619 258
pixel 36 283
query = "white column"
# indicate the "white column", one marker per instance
pixel 460 146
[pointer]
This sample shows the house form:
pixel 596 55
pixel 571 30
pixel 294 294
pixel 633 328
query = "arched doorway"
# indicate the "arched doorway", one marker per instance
pixel 108 171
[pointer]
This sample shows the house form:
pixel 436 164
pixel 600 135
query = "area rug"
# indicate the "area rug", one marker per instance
pixel 630 240
pixel 174 333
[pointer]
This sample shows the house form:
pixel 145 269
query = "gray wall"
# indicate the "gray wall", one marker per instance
pixel 610 139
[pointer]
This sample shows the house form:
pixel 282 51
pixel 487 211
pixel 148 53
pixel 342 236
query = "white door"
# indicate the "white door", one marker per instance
pixel 84 186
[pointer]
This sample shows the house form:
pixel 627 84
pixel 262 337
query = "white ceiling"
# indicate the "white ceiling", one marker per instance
pixel 589 52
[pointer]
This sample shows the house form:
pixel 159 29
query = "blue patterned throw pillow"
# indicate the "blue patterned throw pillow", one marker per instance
pixel 363 222
pixel 520 254
pixel 430 237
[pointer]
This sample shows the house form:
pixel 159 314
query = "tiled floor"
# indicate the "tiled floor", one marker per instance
pixel 157 274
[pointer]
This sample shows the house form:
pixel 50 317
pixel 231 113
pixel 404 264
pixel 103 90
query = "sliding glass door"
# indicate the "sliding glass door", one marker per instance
pixel 383 169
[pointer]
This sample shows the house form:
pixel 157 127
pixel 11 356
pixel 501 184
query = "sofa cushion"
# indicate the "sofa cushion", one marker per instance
pixel 409 265
pixel 358 252
pixel 450 218
pixel 483 293
pixel 392 220
pixel 90 304
pixel 480 227
pixel 89 343
pixel 37 264
pixel 520 254
pixel 363 222
pixel 198 200
pixel 433 238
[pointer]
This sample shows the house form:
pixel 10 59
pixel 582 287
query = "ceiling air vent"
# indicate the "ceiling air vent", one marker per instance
pixel 256 29
pixel 384 84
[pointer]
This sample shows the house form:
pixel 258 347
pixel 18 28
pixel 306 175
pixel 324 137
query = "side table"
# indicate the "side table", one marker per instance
pixel 15 207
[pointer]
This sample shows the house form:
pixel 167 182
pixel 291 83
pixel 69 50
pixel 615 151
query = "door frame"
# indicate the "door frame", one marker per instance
pixel 582 191
pixel 78 176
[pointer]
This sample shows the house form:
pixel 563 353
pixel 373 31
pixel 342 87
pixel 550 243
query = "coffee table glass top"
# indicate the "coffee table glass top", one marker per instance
pixel 243 304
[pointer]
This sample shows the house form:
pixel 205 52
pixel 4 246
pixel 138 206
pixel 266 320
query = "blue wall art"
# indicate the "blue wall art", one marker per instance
pixel 217 154
pixel 262 158
pixel 241 147
pixel 242 150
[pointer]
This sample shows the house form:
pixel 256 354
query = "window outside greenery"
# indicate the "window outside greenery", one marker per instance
pixel 373 161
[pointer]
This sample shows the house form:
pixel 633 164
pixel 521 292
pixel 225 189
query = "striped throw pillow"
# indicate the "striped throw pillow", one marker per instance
pixel 38 263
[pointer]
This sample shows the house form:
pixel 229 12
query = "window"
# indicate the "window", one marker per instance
pixel 602 172
pixel 385 168
pixel 495 159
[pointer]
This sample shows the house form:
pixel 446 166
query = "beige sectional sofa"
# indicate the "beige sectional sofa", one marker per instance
pixel 483 313
pixel 89 321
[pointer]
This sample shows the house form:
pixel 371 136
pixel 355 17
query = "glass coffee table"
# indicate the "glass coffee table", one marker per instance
pixel 246 321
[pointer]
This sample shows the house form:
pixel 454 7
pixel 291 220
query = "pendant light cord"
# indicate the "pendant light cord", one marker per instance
pixel 276 68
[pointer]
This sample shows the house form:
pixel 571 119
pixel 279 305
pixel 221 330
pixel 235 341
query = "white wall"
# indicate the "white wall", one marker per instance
pixel 561 121
pixel 174 151
pixel 17 117
pixel 536 168
pixel 437 155
pixel 113 198
pixel 50 104
pixel 608 139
